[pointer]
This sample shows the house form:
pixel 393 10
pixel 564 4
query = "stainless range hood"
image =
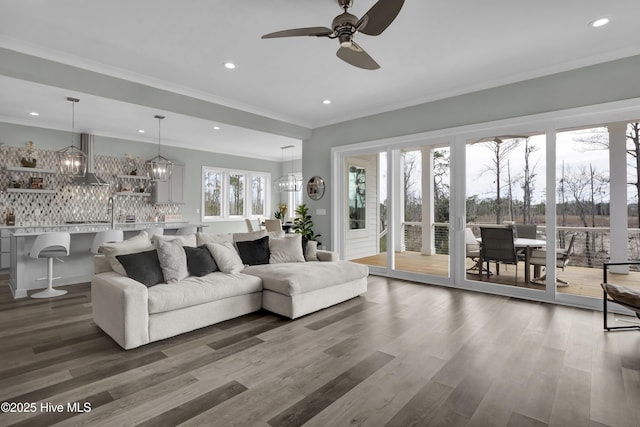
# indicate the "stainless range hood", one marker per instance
pixel 90 178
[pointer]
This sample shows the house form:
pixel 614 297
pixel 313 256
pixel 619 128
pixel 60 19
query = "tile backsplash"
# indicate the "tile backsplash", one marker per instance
pixel 72 202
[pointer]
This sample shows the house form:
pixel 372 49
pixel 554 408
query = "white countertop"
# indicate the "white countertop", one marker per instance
pixel 22 231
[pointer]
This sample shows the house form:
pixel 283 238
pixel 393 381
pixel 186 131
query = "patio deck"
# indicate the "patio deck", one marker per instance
pixel 582 281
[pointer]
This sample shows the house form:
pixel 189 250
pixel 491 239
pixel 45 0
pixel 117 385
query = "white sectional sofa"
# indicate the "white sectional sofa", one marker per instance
pixel 134 314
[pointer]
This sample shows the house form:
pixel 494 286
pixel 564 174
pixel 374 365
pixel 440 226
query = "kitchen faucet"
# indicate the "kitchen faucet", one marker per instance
pixel 112 209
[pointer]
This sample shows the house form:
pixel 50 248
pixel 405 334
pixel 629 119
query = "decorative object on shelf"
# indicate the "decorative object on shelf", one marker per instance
pixel 315 188
pixel 160 166
pixel 11 217
pixel 288 182
pixel 73 161
pixel 36 183
pixel 125 186
pixel 28 156
pixel 132 165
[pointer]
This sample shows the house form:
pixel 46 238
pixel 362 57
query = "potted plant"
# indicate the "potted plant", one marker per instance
pixel 303 224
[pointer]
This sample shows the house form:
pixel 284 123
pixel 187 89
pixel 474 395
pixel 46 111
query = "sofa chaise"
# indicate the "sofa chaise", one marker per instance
pixel 187 296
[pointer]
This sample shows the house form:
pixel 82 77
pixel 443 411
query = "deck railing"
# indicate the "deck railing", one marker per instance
pixel 591 246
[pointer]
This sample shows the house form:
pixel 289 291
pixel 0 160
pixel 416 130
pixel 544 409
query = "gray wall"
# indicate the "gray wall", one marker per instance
pixel 47 139
pixel 607 82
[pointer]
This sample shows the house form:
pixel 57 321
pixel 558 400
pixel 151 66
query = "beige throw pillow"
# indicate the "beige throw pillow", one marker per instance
pixel 173 260
pixel 137 243
pixel 226 257
pixel 287 249
pixel 204 238
pixel 185 240
pixel 312 251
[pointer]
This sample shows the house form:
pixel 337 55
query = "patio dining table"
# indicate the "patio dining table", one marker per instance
pixel 527 245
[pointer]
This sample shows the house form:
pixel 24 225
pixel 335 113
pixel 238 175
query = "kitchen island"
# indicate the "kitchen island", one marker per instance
pixel 25 271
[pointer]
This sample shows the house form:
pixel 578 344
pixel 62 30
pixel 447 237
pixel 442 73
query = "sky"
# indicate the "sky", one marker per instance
pixel 571 147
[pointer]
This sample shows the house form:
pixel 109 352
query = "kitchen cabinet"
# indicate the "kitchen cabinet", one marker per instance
pixel 5 249
pixel 172 190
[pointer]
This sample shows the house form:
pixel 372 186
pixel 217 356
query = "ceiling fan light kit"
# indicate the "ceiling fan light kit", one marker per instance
pixel 345 26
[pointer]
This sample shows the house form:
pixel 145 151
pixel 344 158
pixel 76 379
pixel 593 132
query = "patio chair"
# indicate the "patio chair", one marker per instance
pixel 527 231
pixel 626 297
pixel 472 251
pixel 498 246
pixel 563 256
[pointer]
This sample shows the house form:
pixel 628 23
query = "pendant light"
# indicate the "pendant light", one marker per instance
pixel 72 160
pixel 160 166
pixel 289 182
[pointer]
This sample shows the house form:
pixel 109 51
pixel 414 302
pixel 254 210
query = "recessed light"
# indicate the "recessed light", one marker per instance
pixel 326 102
pixel 34 113
pixel 216 128
pixel 140 130
pixel 600 22
pixel 230 65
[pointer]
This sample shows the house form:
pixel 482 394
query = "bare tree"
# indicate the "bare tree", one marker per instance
pixel 412 197
pixel 583 184
pixel 441 184
pixel 528 180
pixel 501 150
pixel 600 141
pixel 633 150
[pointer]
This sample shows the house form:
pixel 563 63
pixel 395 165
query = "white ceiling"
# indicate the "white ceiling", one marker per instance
pixel 432 50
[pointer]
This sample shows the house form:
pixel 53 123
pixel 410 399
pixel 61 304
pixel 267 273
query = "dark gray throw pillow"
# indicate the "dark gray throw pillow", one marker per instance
pixel 143 267
pixel 199 261
pixel 254 252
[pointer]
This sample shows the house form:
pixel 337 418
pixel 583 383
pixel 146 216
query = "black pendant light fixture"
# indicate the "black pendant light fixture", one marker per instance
pixel 160 166
pixel 72 160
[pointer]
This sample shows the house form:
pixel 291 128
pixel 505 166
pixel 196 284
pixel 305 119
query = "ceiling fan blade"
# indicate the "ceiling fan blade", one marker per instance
pixel 310 31
pixel 379 17
pixel 357 57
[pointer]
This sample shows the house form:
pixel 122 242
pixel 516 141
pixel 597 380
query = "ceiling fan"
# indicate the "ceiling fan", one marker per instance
pixel 345 26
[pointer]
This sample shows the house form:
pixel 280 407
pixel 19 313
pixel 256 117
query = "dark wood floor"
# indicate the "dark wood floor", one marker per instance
pixel 403 354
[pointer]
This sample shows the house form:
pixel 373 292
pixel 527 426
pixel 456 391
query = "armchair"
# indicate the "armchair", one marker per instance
pixel 626 297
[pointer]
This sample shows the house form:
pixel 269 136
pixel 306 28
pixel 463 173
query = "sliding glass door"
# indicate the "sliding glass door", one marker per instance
pixel 569 193
pixel 399 221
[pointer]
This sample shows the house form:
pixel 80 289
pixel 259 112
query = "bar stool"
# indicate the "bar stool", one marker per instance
pixel 190 229
pixel 50 246
pixel 106 236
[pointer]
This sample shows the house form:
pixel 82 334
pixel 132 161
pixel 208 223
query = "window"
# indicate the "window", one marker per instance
pixel 295 198
pixel 234 194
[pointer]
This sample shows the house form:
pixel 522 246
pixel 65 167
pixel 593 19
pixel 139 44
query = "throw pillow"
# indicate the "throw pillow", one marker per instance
pixel 143 267
pixel 199 261
pixel 254 252
pixel 312 251
pixel 137 243
pixel 186 240
pixel 288 249
pixel 226 257
pixel 276 234
pixel 204 238
pixel 173 260
pixel 251 235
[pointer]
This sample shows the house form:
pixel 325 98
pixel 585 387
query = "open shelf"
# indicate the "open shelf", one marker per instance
pixel 132 193
pixel 29 170
pixel 140 177
pixel 30 190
